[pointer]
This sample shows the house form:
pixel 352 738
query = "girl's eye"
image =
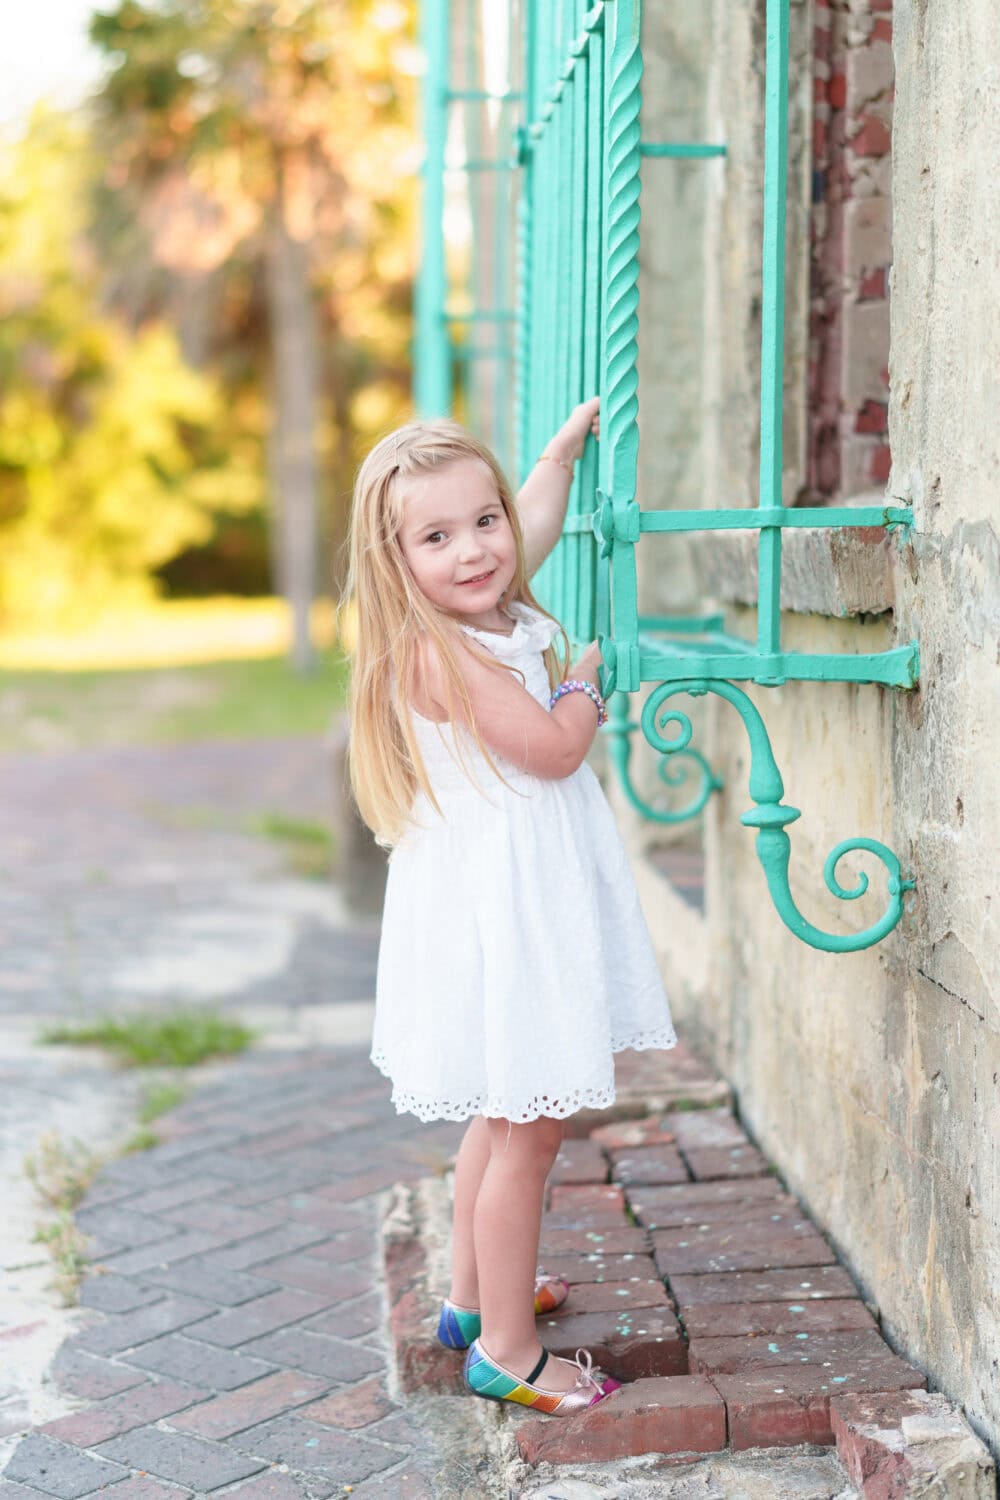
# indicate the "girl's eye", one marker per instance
pixel 433 535
pixel 491 516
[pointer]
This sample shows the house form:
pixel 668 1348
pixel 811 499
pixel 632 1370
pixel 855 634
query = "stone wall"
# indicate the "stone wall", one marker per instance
pixel 873 1079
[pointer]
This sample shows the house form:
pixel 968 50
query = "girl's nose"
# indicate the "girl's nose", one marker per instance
pixel 472 546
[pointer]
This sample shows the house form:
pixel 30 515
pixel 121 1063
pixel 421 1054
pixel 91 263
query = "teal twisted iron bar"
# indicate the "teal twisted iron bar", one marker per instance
pixel 578 151
pixel 715 663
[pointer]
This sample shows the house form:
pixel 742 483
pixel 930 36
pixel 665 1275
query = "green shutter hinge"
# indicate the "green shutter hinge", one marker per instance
pixel 523 147
pixel 616 524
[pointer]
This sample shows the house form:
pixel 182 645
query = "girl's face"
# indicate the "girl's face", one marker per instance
pixel 458 542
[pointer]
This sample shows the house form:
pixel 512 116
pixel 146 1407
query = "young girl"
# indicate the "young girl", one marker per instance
pixel 514 958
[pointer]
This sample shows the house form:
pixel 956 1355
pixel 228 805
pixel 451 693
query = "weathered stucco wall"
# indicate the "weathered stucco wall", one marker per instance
pixel 873 1079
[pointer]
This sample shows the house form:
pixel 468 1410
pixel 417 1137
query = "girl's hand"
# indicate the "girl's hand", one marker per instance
pixel 569 440
pixel 586 667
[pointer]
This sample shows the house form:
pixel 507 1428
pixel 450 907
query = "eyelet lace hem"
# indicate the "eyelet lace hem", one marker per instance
pixel 521 1111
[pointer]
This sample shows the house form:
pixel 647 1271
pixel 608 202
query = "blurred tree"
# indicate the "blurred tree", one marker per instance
pixel 266 152
pixel 114 454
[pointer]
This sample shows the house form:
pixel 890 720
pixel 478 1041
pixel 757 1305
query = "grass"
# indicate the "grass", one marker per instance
pixel 164 633
pixel 179 1038
pixel 159 1098
pixel 308 844
pixel 188 690
pixel 61 1174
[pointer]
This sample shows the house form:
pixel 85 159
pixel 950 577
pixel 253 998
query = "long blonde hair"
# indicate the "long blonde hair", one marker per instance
pixel 390 612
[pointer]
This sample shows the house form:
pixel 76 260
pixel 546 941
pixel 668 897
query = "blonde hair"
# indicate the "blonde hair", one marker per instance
pixel 390 612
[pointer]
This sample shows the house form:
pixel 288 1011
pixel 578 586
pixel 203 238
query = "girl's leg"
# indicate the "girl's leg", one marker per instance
pixel 507 1225
pixel 470 1164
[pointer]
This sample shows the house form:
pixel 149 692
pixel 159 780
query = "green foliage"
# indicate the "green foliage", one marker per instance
pixel 113 452
pixel 178 1039
pixel 61 1171
pixel 159 1098
pixel 308 845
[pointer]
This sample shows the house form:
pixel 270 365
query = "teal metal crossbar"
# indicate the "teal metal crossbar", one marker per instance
pixel 578 152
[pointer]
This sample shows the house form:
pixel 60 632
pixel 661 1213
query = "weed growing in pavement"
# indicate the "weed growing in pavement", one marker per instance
pixel 68 1248
pixel 178 1038
pixel 308 844
pixel 61 1173
pixel 159 1098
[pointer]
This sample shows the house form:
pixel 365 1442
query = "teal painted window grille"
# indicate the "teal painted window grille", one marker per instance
pixel 570 328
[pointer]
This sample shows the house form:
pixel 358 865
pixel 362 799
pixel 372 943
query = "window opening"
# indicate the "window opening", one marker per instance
pixel 567 326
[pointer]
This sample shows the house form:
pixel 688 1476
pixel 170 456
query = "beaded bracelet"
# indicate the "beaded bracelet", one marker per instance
pixel 576 686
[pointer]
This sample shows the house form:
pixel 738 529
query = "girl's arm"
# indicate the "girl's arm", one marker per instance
pixel 550 743
pixel 541 501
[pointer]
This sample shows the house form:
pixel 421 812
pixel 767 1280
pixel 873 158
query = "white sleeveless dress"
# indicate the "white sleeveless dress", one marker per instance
pixel 514 958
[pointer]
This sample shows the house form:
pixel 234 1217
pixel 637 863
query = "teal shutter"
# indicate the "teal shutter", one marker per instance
pixel 574 330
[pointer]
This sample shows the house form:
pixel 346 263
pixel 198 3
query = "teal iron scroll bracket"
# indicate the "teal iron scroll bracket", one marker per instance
pixel 770 818
pixel 617 732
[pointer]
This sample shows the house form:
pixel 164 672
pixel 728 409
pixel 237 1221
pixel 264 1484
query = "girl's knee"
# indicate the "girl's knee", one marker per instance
pixel 535 1141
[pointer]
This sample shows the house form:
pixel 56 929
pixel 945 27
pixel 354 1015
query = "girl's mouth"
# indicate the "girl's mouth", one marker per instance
pixel 481 578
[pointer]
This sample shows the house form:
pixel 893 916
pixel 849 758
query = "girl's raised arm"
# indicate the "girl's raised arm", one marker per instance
pixel 541 500
pixel 544 742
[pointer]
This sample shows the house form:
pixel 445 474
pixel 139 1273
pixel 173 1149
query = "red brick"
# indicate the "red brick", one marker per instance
pixel 733 1161
pixel 581 1269
pixel 687 1195
pixel 724 1233
pixel 422 1363
pixel 134 1408
pixel 873 288
pixel 310 1208
pixel 274 1486
pixel 881 465
pixel 610 1240
pixel 593 1197
pixel 311 1274
pixel 799 1284
pixel 583 1219
pixel 896 1443
pixel 807 1249
pixel 614 1296
pixel 649 1164
pixel 654 1130
pixel 873 417
pixel 680 1415
pixel 707 1127
pixel 882 31
pixel 579 1161
pixel 873 139
pixel 352 1408
pixel 237 1410
pixel 837 91
pixel 840 1353
pixel 656 1215
pixel 629 1345
pixel 743 1319
pixel 144 1488
pixel 791 1404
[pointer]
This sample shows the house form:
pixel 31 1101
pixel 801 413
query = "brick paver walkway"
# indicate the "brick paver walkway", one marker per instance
pixel 238 1343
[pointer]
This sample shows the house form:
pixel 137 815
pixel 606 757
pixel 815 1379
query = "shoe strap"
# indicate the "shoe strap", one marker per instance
pixel 530 1379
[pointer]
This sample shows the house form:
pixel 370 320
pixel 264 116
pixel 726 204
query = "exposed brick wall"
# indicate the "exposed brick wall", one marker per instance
pixel 850 248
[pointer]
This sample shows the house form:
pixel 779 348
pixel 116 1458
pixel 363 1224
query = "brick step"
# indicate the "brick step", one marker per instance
pixel 697 1279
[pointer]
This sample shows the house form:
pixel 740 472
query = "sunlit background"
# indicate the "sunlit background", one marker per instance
pixel 208 241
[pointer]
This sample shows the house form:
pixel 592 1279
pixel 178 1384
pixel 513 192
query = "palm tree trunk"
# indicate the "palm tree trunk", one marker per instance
pixel 292 457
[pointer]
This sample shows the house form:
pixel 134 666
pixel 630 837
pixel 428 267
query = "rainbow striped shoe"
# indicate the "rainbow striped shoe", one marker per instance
pixel 458 1326
pixel 484 1377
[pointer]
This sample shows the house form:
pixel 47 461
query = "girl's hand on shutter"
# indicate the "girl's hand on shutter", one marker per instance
pixel 586 667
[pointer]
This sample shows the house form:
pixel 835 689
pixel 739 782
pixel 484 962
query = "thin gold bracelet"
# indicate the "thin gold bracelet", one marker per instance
pixel 560 461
